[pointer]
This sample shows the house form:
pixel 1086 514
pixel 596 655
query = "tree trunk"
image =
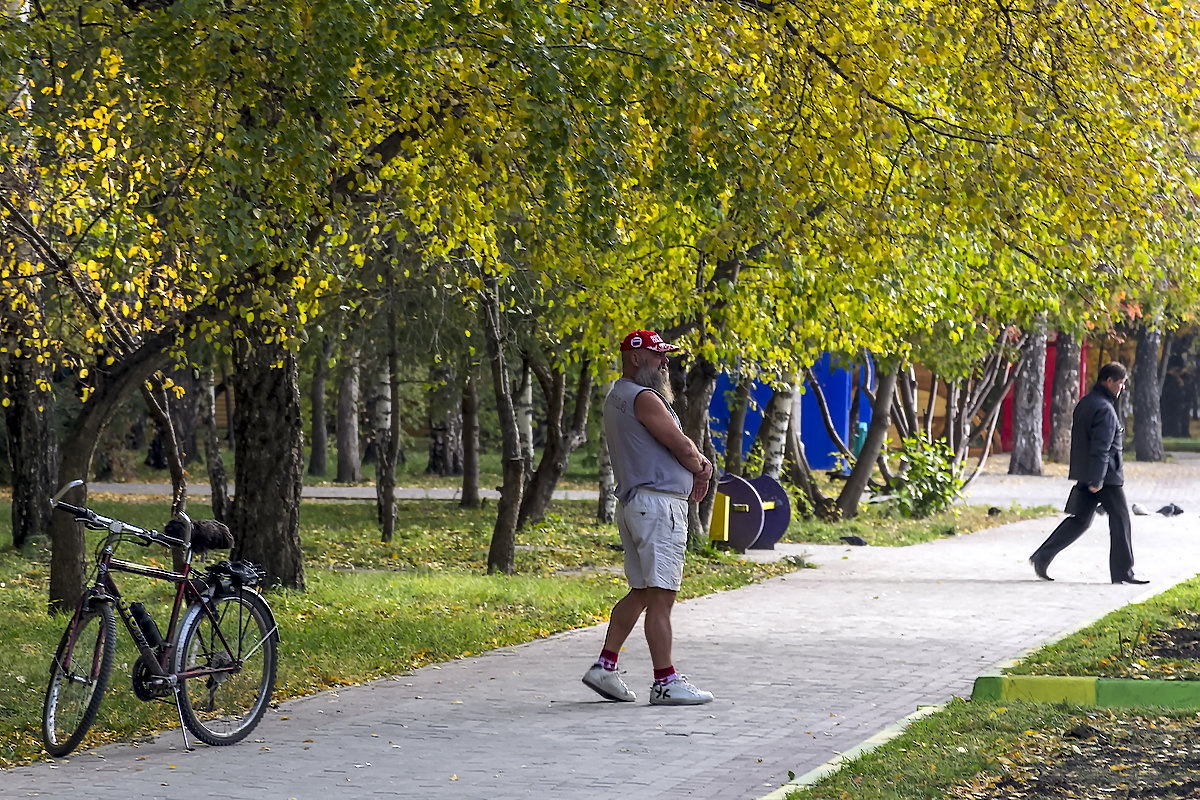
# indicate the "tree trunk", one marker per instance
pixel 697 396
pixel 523 407
pixel 502 552
pixel 800 474
pixel 1146 395
pixel 561 441
pixel 773 432
pixel 445 422
pixel 1064 394
pixel 606 509
pixel 217 479
pixel 1029 392
pixel 318 456
pixel 29 417
pixel 159 405
pixel 470 421
pixel 735 434
pixel 269 462
pixel 877 432
pixel 113 384
pixel 814 386
pixel 388 427
pixel 349 462
pixel 30 408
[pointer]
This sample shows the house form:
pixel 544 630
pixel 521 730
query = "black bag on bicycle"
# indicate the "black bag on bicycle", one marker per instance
pixel 238 574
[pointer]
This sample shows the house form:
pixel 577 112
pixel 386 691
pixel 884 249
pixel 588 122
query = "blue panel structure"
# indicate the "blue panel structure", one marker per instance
pixel 836 386
pixel 718 413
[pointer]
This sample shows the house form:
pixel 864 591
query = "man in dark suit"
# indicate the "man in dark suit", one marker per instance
pixel 1097 439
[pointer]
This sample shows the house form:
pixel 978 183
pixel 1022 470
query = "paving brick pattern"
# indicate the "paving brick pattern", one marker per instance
pixel 804 667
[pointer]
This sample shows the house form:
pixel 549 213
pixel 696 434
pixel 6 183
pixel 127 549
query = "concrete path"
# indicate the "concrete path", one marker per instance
pixel 804 667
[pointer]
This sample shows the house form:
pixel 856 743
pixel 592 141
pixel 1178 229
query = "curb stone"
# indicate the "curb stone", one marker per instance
pixel 1089 691
pixel 837 762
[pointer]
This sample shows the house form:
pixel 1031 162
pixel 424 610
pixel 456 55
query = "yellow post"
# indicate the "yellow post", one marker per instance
pixel 718 529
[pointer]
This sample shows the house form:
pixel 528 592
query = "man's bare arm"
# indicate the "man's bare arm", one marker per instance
pixel 653 413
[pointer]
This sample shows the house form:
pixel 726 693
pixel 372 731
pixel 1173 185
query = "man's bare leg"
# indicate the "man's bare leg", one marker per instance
pixel 659 603
pixel 623 617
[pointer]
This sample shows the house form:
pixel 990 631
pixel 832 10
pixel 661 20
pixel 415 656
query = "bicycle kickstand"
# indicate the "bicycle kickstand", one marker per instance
pixel 182 727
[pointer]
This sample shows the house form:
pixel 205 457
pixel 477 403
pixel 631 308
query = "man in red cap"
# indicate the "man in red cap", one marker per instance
pixel 658 469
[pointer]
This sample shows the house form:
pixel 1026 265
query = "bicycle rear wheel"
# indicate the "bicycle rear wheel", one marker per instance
pixel 78 677
pixel 234 649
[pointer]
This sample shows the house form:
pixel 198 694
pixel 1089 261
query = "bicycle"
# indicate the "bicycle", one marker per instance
pixel 217 659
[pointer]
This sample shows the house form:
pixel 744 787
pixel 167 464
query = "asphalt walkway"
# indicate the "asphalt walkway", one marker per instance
pixel 804 667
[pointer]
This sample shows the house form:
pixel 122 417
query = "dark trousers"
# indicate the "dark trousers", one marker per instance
pixel 1120 547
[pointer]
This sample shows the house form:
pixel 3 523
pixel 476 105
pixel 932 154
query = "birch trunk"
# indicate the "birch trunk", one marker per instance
pixel 1027 408
pixel 1064 394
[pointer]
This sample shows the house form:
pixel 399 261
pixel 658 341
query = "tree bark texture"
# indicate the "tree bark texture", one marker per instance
pixel 739 406
pixel 32 434
pixel 502 552
pixel 561 440
pixel 445 422
pixel 349 461
pixel 1146 395
pixel 606 507
pixel 159 406
pixel 389 435
pixel 217 479
pixel 30 423
pixel 318 451
pixel 697 396
pixel 523 407
pixel 470 421
pixel 1027 409
pixel 1064 394
pixel 877 432
pixel 772 435
pixel 111 387
pixel 800 474
pixel 158 403
pixel 269 462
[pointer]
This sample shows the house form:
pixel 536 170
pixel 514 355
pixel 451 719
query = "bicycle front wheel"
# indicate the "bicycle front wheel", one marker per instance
pixel 78 678
pixel 229 647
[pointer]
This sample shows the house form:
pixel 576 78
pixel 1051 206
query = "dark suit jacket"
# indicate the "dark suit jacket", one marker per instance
pixel 1097 439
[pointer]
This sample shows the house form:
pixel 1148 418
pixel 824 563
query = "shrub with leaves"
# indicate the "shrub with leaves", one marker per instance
pixel 929 482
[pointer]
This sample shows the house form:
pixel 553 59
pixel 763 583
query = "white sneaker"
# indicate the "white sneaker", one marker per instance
pixel 608 684
pixel 678 692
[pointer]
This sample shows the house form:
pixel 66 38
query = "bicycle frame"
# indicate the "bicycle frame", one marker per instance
pixel 157 659
pixel 217 658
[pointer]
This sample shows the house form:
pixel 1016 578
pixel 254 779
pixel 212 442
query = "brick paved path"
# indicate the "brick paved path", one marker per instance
pixel 804 667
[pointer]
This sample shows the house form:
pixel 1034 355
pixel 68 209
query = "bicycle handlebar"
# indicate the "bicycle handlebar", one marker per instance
pixel 99 522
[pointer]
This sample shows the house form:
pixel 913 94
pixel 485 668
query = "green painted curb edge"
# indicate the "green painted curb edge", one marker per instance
pixel 1088 691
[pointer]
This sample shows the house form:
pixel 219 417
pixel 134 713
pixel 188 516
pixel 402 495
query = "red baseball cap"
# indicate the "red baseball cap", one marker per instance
pixel 646 340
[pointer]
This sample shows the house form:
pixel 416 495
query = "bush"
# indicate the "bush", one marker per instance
pixel 929 482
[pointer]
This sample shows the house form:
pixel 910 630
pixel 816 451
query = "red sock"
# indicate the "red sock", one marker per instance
pixel 608 660
pixel 664 675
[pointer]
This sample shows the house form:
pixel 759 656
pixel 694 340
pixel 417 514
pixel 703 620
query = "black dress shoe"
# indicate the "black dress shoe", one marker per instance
pixel 1134 581
pixel 1039 569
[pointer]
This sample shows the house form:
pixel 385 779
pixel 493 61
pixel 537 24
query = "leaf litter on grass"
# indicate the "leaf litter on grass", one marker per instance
pixel 1099 756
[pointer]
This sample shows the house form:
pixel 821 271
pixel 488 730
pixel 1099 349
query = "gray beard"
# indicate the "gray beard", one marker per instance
pixel 656 379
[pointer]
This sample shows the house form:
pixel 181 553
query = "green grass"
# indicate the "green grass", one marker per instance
pixel 983 750
pixel 1181 444
pixel 370 609
pixel 957 744
pixel 1117 646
